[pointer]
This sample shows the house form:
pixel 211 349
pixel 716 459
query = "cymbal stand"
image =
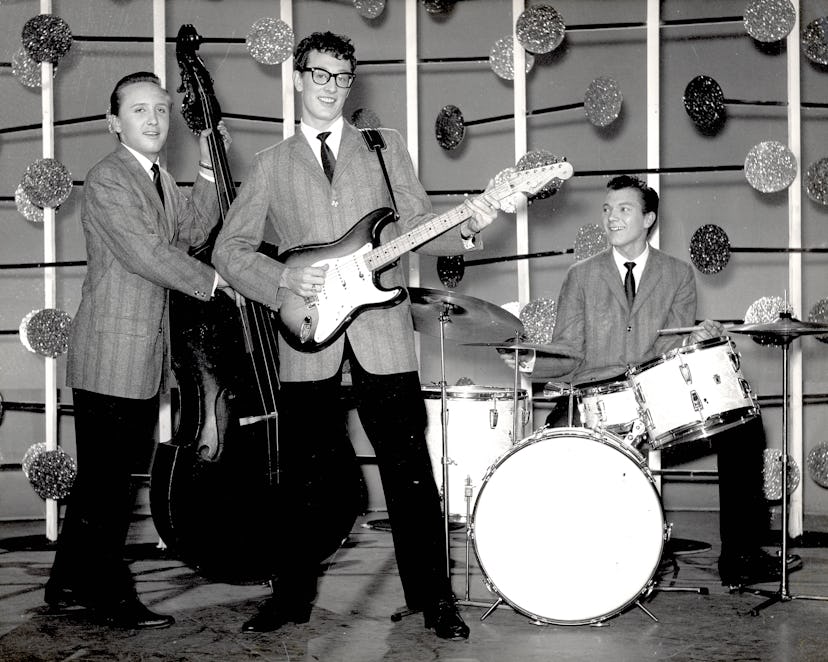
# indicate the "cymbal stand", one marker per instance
pixel 783 594
pixel 444 318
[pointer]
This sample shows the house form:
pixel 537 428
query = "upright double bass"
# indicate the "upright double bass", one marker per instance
pixel 215 486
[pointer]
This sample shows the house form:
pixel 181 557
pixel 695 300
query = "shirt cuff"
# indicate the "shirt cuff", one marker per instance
pixel 215 283
pixel 203 172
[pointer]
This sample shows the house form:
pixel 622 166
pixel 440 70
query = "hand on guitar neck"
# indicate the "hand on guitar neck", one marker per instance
pixel 483 213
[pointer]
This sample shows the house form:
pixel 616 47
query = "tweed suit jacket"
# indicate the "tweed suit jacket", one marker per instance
pixel 287 197
pixel 136 251
pixel 594 320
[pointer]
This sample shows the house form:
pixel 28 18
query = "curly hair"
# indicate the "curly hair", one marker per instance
pixel 325 42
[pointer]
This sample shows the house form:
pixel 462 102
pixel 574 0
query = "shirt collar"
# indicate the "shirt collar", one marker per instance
pixel 333 140
pixel 640 261
pixel 146 164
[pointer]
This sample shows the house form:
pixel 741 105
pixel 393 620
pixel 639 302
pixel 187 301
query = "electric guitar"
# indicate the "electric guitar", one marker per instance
pixel 356 260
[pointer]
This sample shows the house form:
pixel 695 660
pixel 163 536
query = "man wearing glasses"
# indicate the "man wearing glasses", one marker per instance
pixel 312 188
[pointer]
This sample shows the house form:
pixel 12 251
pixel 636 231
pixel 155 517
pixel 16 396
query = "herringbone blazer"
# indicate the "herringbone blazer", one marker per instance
pixel 136 251
pixel 286 198
pixel 594 320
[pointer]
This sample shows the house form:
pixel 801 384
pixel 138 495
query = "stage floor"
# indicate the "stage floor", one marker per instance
pixel 360 591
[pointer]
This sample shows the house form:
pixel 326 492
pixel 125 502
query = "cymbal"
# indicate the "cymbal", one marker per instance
pixel 785 327
pixel 557 350
pixel 466 317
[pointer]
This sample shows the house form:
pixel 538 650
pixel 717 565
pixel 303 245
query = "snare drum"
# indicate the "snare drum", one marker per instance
pixel 611 405
pixel 568 527
pixel 480 421
pixel 692 392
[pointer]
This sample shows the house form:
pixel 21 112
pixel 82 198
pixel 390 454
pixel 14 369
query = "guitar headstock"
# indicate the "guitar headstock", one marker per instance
pixel 511 182
pixel 200 108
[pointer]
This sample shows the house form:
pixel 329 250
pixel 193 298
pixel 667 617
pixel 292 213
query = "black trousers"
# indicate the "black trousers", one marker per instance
pixel 316 452
pixel 114 439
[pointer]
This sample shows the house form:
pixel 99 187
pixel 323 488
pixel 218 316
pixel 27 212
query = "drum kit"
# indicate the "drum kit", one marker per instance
pixel 546 503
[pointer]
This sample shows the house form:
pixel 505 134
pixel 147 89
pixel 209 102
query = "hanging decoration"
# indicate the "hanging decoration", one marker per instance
pixel 590 240
pixel 710 249
pixel 772 473
pixel 450 270
pixel 764 311
pixel 449 127
pixel 52 474
pixel 815 40
pixel 818 464
pixel 502 58
pixel 46 332
pixel 46 38
pixel 816 181
pixel 30 211
pixel 270 41
pixel 33 451
pixel 540 29
pixel 538 317
pixel 47 182
pixel 439 7
pixel 369 8
pixel 704 103
pixel 769 21
pixel 770 167
pixel 364 118
pixel 26 70
pixel 819 314
pixel 602 101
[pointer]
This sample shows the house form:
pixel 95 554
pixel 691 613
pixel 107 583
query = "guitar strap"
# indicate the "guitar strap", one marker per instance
pixel 375 142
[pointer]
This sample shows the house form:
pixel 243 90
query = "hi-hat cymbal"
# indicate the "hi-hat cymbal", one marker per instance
pixel 784 327
pixel 556 350
pixel 465 317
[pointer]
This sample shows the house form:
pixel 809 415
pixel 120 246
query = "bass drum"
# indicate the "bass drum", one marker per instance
pixel 568 527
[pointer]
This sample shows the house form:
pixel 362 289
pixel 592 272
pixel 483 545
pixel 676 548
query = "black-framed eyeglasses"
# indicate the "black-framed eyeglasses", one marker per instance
pixel 322 76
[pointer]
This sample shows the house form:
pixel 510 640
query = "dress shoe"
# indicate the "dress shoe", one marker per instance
pixel 61 598
pixel 275 612
pixel 755 568
pixel 132 614
pixel 446 621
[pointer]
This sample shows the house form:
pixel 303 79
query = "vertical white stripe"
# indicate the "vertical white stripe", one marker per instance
pixel 412 117
pixel 288 112
pixel 654 102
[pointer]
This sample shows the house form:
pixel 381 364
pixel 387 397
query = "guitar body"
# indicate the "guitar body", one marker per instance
pixel 350 288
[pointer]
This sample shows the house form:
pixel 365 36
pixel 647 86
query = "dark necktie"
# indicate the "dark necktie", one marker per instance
pixel 328 159
pixel 629 283
pixel 156 179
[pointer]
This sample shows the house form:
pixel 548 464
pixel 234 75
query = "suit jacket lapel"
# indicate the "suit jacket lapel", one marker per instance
pixel 349 146
pixel 652 275
pixel 146 187
pixel 609 273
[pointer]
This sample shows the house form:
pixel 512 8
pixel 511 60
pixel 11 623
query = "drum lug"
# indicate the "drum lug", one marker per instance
pixel 602 411
pixel 736 361
pixel 493 415
pixel 646 417
pixel 685 373
pixel 697 403
pixel 743 383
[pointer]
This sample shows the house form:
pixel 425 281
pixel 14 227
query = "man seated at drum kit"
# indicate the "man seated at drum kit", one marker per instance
pixel 610 309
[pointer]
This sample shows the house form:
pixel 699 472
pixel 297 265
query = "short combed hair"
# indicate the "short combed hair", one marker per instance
pixel 129 79
pixel 649 198
pixel 339 46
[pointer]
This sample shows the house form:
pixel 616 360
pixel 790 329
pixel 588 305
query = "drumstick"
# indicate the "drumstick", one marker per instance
pixel 688 329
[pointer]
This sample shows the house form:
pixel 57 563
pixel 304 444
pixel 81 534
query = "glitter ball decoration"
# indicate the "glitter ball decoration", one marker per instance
pixel 438 7
pixel 46 38
pixel 541 157
pixel 450 270
pixel 538 317
pixel 540 29
pixel 814 40
pixel 270 41
pixel 818 464
pixel 33 451
pixel 816 181
pixel 52 474
pixel 819 314
pixel 31 212
pixel 710 249
pixel 704 104
pixel 502 58
pixel 449 127
pixel 772 473
pixel 590 240
pixel 369 8
pixel 769 20
pixel 765 310
pixel 770 167
pixel 25 69
pixel 602 101
pixel 46 332
pixel 47 183
pixel 363 118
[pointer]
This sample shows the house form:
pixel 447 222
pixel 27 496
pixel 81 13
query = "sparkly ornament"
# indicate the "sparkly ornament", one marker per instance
pixel 46 332
pixel 764 311
pixel 818 464
pixel 704 103
pixel 33 451
pixel 449 127
pixel 450 270
pixel 47 183
pixel 819 314
pixel 362 118
pixel 602 101
pixel 590 240
pixel 25 69
pixel 538 317
pixel 502 58
pixel 772 472
pixel 710 249
pixel 270 41
pixel 816 181
pixel 369 8
pixel 46 38
pixel 541 157
pixel 769 20
pixel 464 381
pixel 540 29
pixel 436 7
pixel 770 167
pixel 815 40
pixel 52 474
pixel 31 212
